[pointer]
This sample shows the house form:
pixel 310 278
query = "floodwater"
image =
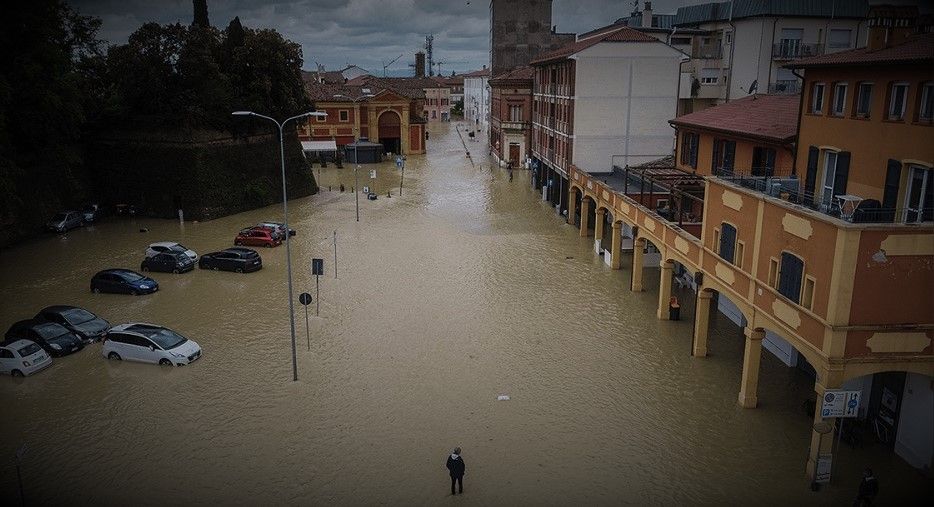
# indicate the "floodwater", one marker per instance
pixel 465 288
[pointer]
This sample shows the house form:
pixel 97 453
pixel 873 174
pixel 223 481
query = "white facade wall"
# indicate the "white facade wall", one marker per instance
pixel 625 93
pixel 477 100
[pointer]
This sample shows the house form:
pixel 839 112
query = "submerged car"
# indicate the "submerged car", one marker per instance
pixel 170 247
pixel 56 339
pixel 123 281
pixel 23 357
pixel 238 259
pixel 278 227
pixel 169 262
pixel 257 236
pixel 149 343
pixel 91 213
pixel 85 324
pixel 65 221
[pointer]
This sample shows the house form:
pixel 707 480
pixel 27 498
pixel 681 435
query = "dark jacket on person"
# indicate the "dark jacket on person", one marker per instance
pixel 868 487
pixel 456 465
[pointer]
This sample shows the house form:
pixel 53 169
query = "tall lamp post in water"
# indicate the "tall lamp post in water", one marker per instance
pixel 285 218
pixel 356 160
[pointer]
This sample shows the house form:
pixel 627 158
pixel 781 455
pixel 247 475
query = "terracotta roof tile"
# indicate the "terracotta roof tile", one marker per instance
pixel 917 48
pixel 772 117
pixel 611 34
pixel 524 73
pixel 478 73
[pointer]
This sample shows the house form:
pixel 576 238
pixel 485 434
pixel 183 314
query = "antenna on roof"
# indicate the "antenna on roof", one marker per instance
pixel 753 88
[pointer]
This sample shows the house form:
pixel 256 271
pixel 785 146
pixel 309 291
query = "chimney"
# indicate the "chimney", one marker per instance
pixel 890 25
pixel 647 15
pixel 420 64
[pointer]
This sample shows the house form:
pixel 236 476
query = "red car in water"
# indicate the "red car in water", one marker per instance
pixel 257 236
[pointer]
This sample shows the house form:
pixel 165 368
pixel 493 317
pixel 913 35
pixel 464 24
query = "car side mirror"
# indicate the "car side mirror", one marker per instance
pixel 152 348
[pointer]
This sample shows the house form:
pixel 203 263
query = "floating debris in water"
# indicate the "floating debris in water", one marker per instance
pixel 569 257
pixel 503 397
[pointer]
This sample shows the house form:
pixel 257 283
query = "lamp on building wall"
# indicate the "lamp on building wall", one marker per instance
pixel 285 216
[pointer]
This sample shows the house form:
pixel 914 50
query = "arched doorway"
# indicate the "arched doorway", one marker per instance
pixel 390 131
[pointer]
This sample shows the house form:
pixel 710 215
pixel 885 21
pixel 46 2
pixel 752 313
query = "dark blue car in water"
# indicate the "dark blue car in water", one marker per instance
pixel 123 281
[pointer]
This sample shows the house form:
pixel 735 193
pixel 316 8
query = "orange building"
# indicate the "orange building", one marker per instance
pixel 385 111
pixel 824 253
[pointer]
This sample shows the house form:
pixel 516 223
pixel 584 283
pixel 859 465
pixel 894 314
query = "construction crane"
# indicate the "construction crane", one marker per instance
pixel 386 65
pixel 439 64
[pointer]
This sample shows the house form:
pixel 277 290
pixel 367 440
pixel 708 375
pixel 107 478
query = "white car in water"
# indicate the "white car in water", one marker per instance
pixel 23 357
pixel 170 247
pixel 149 343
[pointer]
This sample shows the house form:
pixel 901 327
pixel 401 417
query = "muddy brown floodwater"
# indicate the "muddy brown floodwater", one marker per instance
pixel 465 288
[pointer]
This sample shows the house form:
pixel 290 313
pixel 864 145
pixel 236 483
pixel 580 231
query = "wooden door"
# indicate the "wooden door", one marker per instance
pixel 514 154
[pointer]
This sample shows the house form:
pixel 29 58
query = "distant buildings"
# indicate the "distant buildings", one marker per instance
pixel 511 115
pixel 477 98
pixel 521 31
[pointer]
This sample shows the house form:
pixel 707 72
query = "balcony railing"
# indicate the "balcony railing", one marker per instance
pixel 791 49
pixel 710 52
pixel 792 87
pixel 789 187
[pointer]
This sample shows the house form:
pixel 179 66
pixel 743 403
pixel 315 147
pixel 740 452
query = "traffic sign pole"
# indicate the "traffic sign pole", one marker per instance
pixel 305 299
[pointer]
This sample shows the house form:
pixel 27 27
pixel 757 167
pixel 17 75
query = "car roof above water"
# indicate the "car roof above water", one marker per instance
pixel 18 344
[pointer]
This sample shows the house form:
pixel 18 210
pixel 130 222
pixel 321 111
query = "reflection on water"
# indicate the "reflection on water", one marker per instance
pixel 463 289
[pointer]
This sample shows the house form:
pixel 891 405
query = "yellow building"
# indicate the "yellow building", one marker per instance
pixel 830 259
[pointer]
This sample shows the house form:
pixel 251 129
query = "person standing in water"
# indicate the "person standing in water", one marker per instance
pixel 456 468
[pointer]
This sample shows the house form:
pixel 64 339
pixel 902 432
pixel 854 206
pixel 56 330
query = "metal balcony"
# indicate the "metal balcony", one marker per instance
pixel 790 87
pixel 792 49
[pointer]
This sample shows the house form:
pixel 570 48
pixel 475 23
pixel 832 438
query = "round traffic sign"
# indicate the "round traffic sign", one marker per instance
pixel 304 298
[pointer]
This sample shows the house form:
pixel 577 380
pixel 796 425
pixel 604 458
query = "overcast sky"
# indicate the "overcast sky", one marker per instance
pixel 367 33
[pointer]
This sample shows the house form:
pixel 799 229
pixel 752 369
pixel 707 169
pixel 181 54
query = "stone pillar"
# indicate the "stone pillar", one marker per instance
pixel 572 205
pixel 664 288
pixel 585 213
pixel 701 322
pixel 822 441
pixel 616 247
pixel 599 218
pixel 638 247
pixel 748 397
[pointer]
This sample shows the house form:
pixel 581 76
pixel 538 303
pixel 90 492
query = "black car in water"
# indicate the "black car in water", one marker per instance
pixel 168 262
pixel 238 259
pixel 54 338
pixel 85 324
pixel 123 281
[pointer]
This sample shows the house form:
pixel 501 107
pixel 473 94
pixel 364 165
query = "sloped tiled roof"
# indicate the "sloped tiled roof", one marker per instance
pixel 772 117
pixel 613 33
pixel 524 73
pixel 478 73
pixel 917 48
pixel 409 87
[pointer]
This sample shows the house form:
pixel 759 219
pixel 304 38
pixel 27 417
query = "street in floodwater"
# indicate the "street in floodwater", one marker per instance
pixel 465 288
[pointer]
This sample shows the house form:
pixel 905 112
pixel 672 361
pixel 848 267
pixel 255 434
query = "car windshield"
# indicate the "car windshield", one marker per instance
pixel 167 339
pixel 77 316
pixel 178 248
pixel 130 276
pixel 59 217
pixel 28 350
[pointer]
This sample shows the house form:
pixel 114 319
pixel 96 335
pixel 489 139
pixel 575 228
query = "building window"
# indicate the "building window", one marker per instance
pixel 727 246
pixel 807 295
pixel 344 115
pixel 738 258
pixel 897 99
pixel 926 113
pixel 709 76
pixel 864 100
pixel 919 198
pixel 763 161
pixel 716 240
pixel 817 98
pixel 515 113
pixel 789 276
pixel 321 119
pixel 839 38
pixel 830 168
pixel 689 149
pixel 724 154
pixel 680 41
pixel 773 272
pixel 839 99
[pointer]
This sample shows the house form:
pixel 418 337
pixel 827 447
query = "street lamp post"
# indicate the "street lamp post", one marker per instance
pixel 356 181
pixel 285 218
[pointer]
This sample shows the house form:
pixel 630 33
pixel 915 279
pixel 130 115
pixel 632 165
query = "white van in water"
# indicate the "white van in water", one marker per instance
pixel 23 357
pixel 149 343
